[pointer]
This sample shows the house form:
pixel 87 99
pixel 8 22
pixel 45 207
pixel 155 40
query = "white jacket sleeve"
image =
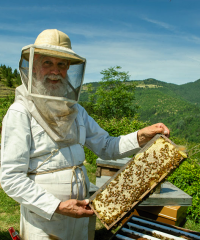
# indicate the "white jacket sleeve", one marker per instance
pixel 105 146
pixel 15 155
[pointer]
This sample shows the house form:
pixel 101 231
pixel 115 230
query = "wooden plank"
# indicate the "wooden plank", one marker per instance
pixel 108 171
pixel 108 166
pixel 98 172
pixel 117 162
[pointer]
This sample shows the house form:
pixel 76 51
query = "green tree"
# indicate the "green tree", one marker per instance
pixel 15 73
pixel 9 81
pixel 115 96
pixel 18 80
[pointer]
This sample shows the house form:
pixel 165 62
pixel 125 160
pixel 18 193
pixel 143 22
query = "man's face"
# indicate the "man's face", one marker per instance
pixel 50 74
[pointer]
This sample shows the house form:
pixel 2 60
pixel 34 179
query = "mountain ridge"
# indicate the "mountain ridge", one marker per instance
pixel 177 106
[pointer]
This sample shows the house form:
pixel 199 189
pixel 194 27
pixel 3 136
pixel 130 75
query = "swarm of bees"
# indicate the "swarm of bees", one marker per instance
pixel 138 178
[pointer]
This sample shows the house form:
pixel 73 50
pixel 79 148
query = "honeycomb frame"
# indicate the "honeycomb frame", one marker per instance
pixel 129 186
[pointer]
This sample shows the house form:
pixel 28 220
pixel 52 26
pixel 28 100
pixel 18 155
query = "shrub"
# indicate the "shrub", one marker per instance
pixel 115 128
pixel 123 126
pixel 187 178
pixel 5 104
pixel 115 96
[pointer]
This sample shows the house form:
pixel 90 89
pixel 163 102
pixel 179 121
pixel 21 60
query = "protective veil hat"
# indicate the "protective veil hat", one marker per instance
pixel 59 41
pixel 55 44
pixel 51 99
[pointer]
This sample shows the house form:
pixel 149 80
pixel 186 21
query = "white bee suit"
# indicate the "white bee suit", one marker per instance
pixel 25 145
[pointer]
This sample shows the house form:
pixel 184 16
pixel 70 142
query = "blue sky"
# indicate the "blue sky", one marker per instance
pixel 148 38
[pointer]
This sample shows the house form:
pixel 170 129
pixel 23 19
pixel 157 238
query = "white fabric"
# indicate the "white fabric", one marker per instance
pixel 52 47
pixel 56 117
pixel 25 145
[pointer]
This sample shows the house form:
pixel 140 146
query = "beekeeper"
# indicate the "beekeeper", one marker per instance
pixel 43 135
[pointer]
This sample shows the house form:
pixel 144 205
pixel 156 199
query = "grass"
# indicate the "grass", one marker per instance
pixel 91 170
pixel 192 225
pixel 10 214
pixel 5 91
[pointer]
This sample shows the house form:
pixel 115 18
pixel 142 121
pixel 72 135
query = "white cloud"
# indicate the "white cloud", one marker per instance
pixel 10 50
pixel 160 23
pixel 174 65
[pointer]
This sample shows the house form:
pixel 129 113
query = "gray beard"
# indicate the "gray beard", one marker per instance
pixel 52 108
pixel 43 87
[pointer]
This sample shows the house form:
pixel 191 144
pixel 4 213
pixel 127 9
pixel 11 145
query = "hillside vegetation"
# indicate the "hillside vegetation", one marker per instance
pixel 8 81
pixel 181 116
pixel 178 106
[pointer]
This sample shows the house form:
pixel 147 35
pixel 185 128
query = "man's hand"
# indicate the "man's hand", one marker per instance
pixel 75 208
pixel 147 133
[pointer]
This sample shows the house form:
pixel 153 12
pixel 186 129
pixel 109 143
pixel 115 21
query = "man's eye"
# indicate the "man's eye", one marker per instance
pixel 62 65
pixel 47 63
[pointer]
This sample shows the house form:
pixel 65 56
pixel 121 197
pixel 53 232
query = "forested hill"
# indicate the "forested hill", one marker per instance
pixel 178 106
pixel 189 91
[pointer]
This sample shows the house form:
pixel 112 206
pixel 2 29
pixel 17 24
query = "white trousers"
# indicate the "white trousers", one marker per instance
pixel 60 227
pixel 35 227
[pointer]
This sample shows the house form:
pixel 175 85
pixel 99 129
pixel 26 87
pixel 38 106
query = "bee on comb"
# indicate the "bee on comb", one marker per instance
pixel 136 179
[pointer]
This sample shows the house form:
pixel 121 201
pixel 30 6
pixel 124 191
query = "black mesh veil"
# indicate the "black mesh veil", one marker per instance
pixel 40 79
pixel 75 74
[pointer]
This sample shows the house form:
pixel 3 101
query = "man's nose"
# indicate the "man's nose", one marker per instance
pixel 55 70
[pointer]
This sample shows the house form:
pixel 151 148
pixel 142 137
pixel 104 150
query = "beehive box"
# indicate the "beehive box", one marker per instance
pixel 136 180
pixel 174 215
pixel 143 228
pixel 108 168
